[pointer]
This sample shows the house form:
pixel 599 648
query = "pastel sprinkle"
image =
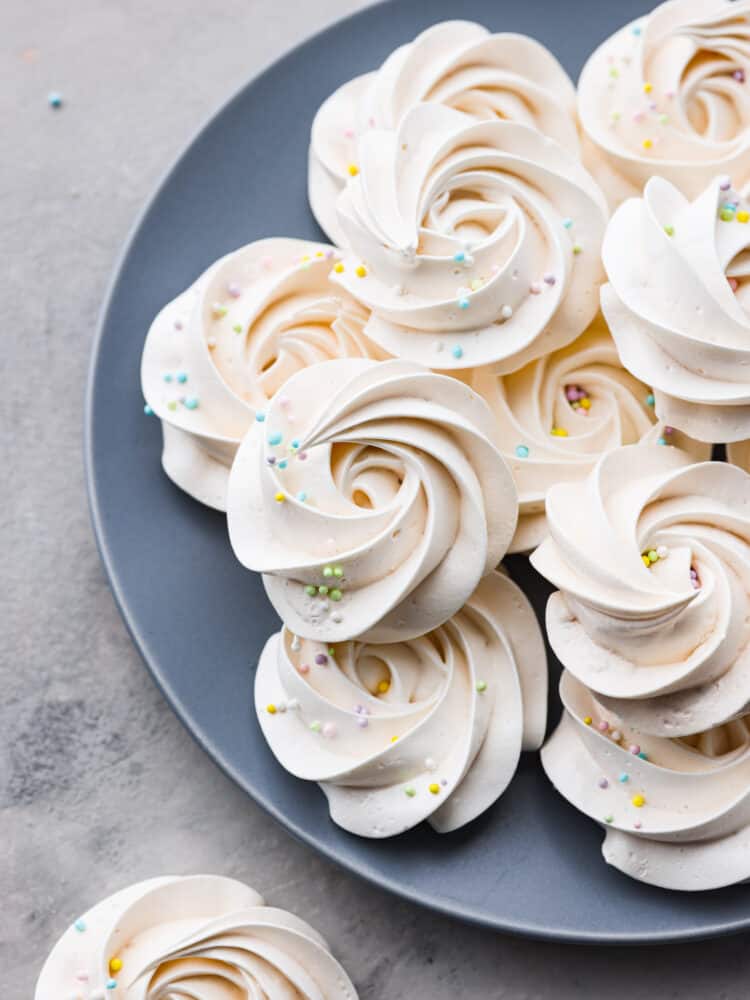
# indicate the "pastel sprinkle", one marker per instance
pixel 567 223
pixel 522 451
pixel 361 271
pixel 634 749
pixel 650 400
pixel 338 572
pixel 172 404
pixel 643 755
pixel 603 783
pixel 315 726
pixel 577 248
pixel 338 267
pixel 463 303
pixel 54 99
pixel 609 818
pixel 283 463
pixel 191 403
pixel 234 290
pixel 458 351
pixel 335 594
pixel 147 410
pixel 167 376
pixel 219 310
pixel 506 312
pixel 260 416
pixel 638 801
pixel 410 791
pixel 323 590
pixel 624 777
pixel 383 687
pixel 238 328
pixel 271 709
pixel 587 720
pixel 279 497
pixel 725 182
pixel 603 726
pixel 275 438
pixel 80 925
pixel 481 686
pixel 302 496
pixel 743 216
pixel 321 659
pixel 182 377
pixel 434 788
pixel 329 730
pixel 459 257
pixel 352 169
pixel 669 230
pixel 111 984
pixel 310 590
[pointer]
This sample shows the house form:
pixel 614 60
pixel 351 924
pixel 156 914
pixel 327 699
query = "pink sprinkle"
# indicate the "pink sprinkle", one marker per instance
pixel 329 730
pixel 178 324
pixel 304 668
pixel 739 75
pixel 267 262
pixel 535 288
pixel 371 123
pixel 302 456
pixel 349 133
pixel 669 430
pixel 284 402
pixel 725 183
pixel 328 253
pixel 82 976
pixel 234 290
pixel 634 748
pixel 733 284
pixel 638 116
pixel 603 726
pixel 669 95
pixel 637 824
pixel 571 393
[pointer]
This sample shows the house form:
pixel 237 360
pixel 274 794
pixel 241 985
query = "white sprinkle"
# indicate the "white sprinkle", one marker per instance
pixel 506 312
pixel 662 552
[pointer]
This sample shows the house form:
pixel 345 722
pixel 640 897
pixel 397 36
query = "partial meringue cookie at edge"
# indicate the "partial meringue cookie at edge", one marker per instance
pixel 669 95
pixel 651 558
pixel 218 353
pixel 456 63
pixel 202 936
pixel 676 811
pixel 430 728
pixel 373 502
pixel 472 243
pixel 557 416
pixel 678 304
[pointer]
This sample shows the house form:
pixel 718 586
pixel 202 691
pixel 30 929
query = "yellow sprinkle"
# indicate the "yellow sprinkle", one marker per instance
pixel 647 143
pixel 638 801
pixel 393 739
pixel 115 964
pixel 353 169
pixel 559 432
pixel 384 686
pixel 319 253
pixel 585 403
pixel 338 268
pixel 647 88
pixel 646 560
pixel 434 788
pixel 742 216
pixel 271 709
pixel 361 271
pixel 588 720
pixel 280 497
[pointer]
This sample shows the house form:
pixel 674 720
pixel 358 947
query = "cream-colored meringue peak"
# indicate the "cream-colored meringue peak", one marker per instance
pixel 651 555
pixel 218 353
pixel 678 304
pixel 558 415
pixel 200 936
pixel 372 499
pixel 456 63
pixel 473 243
pixel 676 811
pixel 669 95
pixel 428 728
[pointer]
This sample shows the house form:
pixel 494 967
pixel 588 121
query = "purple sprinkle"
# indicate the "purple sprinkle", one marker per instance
pixel 271 460
pixel 302 456
pixel 549 279
pixel 362 722
pixel 725 183
pixel 739 75
pixel 634 748
pixel 321 659
pixel 571 393
pixel 603 783
pixel 178 324
pixel 234 290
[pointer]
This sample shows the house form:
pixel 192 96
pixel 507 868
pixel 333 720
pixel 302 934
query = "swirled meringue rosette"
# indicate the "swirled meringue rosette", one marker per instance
pixel 218 353
pixel 557 416
pixel 472 243
pixel 677 304
pixel 430 728
pixel 651 555
pixel 676 811
pixel 373 502
pixel 201 936
pixel 668 95
pixel 456 63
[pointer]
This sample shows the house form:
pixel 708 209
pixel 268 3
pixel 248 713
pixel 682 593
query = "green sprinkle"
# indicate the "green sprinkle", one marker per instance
pixel 577 248
pixel 315 726
pixel 669 230
pixel 481 686
pixel 609 818
pixel 726 215
pixel 322 590
pixel 328 571
pixel 338 572
pixel 335 594
pixel 310 590
pixel 410 791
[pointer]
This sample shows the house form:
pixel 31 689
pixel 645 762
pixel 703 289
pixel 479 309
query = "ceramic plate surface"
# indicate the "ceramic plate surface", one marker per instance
pixel 532 864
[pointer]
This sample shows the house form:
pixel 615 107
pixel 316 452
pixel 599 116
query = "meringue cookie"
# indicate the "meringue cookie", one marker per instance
pixel 677 303
pixel 456 63
pixel 666 95
pixel 676 812
pixel 372 499
pixel 452 227
pixel 201 936
pixel 665 646
pixel 430 728
pixel 559 414
pixel 219 352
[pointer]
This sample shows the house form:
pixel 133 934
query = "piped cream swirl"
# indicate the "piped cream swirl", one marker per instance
pixel 669 95
pixel 200 936
pixel 472 243
pixel 678 303
pixel 428 728
pixel 665 645
pixel 456 63
pixel 676 811
pixel 218 353
pixel 372 499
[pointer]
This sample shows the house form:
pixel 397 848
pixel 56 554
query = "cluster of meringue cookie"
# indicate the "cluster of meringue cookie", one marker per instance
pixel 529 328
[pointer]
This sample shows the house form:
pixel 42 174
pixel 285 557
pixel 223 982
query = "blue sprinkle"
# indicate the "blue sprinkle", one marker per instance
pixel 191 403
pixel 282 463
pixel 637 30
pixel 111 984
pixel 275 438
pixel 522 451
pixel 295 443
pixel 650 399
pixel 54 99
pixel 643 755
pixel 457 352
pixel 567 223
pixel 624 777
pixel 302 496
pixel 182 377
pixel 463 303
pixel 147 410
pixel 661 441
pixel 260 416
pixel 459 257
pixel 80 925
pixel 167 377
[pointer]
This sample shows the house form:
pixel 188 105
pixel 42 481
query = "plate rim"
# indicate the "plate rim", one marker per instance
pixel 360 870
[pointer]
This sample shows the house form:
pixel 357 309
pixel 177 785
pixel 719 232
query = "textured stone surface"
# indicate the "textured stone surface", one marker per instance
pixel 100 784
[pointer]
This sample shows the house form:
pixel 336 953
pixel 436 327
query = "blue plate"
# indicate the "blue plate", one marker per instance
pixel 531 865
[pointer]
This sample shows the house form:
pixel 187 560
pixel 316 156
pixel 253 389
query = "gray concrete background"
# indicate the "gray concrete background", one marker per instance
pixel 99 783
